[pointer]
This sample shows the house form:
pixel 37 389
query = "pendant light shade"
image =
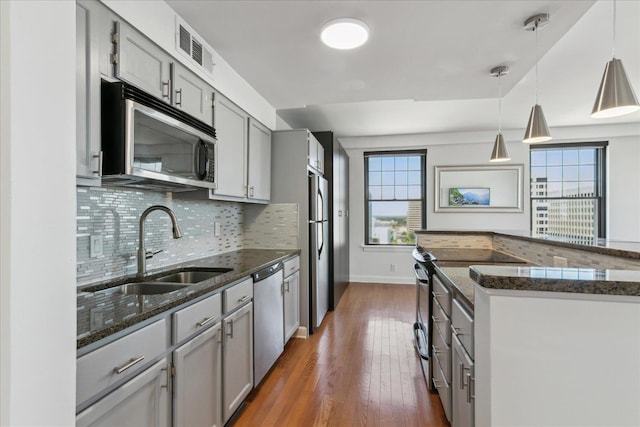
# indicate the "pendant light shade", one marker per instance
pixel 537 129
pixel 615 96
pixel 499 153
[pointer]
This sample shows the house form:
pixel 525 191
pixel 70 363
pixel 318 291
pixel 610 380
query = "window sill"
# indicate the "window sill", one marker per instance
pixel 386 248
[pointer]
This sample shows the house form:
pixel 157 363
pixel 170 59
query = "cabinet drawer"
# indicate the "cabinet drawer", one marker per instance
pixel 238 295
pixel 462 323
pixel 197 316
pixel 291 266
pixel 444 390
pixel 441 321
pixel 99 369
pixel 442 294
pixel 442 353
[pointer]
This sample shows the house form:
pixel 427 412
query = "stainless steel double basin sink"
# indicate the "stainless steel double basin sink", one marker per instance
pixel 168 283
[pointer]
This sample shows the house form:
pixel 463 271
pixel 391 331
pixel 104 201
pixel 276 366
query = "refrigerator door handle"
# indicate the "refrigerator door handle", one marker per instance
pixel 320 207
pixel 320 238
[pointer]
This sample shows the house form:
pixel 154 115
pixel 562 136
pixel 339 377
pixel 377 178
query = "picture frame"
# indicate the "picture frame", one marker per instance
pixel 500 185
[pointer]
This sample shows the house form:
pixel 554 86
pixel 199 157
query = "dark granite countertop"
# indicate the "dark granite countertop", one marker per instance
pixel 551 279
pixel 606 247
pixel 120 311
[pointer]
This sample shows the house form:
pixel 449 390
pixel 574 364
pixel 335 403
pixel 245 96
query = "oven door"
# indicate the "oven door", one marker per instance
pixel 421 326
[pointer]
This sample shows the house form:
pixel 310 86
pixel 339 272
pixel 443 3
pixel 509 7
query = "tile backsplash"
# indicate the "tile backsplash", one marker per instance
pixel 114 213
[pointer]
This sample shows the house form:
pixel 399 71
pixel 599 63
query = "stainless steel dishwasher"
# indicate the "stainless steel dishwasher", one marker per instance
pixel 268 320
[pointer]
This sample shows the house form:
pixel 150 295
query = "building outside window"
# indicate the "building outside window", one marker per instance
pixel 395 196
pixel 568 191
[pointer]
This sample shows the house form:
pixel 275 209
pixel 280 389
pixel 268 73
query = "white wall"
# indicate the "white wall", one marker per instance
pixel 37 222
pixel 474 148
pixel 157 20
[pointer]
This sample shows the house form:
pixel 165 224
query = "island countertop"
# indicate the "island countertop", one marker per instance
pixel 119 311
pixel 552 279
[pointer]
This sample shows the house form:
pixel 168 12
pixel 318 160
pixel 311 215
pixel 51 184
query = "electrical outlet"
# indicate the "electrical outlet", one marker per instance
pixel 95 248
pixel 392 268
pixel 559 261
pixel 216 229
pixel 96 321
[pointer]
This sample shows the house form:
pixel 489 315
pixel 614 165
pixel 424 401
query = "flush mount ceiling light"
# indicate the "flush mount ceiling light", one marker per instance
pixel 499 153
pixel 344 33
pixel 537 129
pixel 615 96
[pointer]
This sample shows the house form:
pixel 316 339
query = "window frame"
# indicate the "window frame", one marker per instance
pixel 601 181
pixel 423 195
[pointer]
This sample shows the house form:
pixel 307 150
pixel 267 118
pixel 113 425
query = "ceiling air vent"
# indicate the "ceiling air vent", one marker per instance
pixel 190 45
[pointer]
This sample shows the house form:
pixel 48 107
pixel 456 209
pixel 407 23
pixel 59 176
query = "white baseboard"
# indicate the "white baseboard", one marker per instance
pixel 406 280
pixel 301 333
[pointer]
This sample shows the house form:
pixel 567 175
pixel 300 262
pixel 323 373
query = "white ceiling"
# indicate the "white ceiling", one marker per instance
pixel 426 65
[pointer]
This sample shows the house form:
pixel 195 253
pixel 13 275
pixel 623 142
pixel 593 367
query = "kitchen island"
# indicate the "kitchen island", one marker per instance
pixel 552 346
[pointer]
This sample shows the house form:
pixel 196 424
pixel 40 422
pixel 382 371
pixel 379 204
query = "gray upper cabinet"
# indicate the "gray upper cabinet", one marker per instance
pixel 259 161
pixel 141 62
pixel 232 127
pixel 191 93
pixel 89 15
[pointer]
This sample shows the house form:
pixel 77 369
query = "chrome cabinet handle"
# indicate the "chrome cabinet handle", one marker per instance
pixel 179 100
pixel 438 320
pixel 251 191
pixel 230 333
pixel 165 85
pixel 287 288
pixel 462 369
pixel 132 362
pixel 455 331
pixel 435 383
pixel 469 394
pixel 205 321
pixel 244 298
pixel 98 156
pixel 436 350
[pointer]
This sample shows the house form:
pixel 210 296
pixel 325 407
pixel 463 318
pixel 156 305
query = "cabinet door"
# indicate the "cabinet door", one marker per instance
pixel 197 396
pixel 141 62
pixel 237 359
pixel 462 387
pixel 312 150
pixel 142 401
pixel 192 94
pixel 88 156
pixel 232 127
pixel 320 155
pixel 259 162
pixel 291 305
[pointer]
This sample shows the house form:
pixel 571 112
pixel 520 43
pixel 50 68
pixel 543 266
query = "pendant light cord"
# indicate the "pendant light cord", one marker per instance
pixel 499 103
pixel 536 31
pixel 613 50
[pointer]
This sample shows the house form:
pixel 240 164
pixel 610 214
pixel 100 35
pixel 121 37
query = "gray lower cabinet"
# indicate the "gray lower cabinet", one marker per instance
pixel 197 382
pixel 291 305
pixel 142 401
pixel 89 15
pixel 237 357
pixel 462 386
pixel 259 162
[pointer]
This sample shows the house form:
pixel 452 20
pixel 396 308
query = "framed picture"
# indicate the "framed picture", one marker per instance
pixel 479 188
pixel 469 196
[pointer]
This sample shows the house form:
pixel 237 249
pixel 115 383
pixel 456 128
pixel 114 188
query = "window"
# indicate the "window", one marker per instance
pixel 395 187
pixel 567 191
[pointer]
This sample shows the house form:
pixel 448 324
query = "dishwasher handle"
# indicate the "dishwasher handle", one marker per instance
pixel 267 272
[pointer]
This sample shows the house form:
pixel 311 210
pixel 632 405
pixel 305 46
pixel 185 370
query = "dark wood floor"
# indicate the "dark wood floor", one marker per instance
pixel 359 369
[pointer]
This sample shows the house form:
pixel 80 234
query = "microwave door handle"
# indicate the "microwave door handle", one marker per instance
pixel 201 160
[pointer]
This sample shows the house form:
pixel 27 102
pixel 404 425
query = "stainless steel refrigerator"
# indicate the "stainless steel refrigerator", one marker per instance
pixel 318 248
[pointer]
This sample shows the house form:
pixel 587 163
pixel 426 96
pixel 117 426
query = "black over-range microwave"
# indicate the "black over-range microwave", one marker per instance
pixel 150 144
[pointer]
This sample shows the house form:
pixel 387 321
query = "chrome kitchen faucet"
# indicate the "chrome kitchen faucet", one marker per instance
pixel 144 255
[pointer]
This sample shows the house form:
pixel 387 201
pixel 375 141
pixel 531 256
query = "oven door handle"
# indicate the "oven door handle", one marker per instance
pixel 421 275
pixel 420 341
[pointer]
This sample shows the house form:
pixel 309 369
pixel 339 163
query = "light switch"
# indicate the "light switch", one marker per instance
pixel 95 248
pixel 216 229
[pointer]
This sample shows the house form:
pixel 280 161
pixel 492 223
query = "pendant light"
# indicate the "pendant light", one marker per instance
pixel 615 96
pixel 537 129
pixel 499 153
